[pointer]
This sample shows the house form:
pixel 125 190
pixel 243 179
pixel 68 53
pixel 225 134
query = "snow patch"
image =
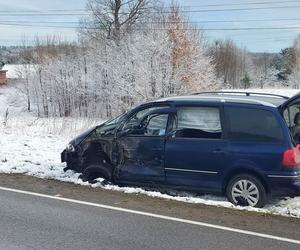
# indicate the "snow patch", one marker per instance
pixel 39 156
pixel 18 71
pixel 32 147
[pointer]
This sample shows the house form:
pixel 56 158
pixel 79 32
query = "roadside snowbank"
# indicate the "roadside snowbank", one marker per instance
pixel 32 146
pixel 39 156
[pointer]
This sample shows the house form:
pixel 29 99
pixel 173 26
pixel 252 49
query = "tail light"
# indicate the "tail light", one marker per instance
pixel 291 157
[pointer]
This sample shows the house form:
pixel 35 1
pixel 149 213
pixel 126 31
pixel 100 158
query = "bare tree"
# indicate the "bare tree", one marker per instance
pixel 113 18
pixel 263 69
pixel 103 77
pixel 230 62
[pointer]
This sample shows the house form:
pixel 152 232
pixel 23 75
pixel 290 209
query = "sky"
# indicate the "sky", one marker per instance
pixel 258 23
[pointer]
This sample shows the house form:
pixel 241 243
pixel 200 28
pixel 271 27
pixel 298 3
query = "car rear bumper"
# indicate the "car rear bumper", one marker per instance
pixel 285 185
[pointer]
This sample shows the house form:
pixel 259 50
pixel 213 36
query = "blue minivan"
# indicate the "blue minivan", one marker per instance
pixel 239 144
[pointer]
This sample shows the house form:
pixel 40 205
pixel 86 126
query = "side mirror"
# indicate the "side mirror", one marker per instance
pixel 172 133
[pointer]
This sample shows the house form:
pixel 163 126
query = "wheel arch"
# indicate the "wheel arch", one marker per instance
pixel 101 170
pixel 244 170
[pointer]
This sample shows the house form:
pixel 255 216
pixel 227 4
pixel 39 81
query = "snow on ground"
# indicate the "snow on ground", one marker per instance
pixel 39 155
pixel 16 71
pixel 32 146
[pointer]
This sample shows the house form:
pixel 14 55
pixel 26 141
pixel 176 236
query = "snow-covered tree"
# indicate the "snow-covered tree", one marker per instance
pixel 191 67
pixel 231 62
pixel 294 77
pixel 150 55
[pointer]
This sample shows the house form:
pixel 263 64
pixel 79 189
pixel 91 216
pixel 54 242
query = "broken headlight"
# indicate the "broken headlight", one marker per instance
pixel 70 148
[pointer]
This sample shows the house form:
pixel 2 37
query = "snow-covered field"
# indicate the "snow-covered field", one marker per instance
pixel 32 146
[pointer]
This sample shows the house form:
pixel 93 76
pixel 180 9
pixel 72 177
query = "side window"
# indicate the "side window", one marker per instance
pixel 141 113
pixel 153 125
pixel 253 125
pixel 289 115
pixel 157 125
pixel 198 122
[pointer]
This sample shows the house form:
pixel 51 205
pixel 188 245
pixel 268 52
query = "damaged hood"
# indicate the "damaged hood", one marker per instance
pixel 78 139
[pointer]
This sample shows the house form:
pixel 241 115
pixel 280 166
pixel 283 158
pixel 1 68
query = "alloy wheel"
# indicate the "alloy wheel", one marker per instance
pixel 245 192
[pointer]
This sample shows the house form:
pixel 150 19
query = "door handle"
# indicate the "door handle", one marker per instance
pixel 218 151
pixel 157 148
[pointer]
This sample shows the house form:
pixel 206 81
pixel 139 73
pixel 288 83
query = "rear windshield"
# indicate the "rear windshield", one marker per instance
pixel 253 125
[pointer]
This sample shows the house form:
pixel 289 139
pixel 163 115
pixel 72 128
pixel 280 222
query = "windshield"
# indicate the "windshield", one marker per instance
pixel 115 120
pixel 109 126
pixel 104 129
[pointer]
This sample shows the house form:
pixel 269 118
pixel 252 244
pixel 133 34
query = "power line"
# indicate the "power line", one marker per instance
pixel 234 21
pixel 263 41
pixel 239 4
pixel 170 22
pixel 44 14
pixel 158 22
pixel 205 29
pixel 181 6
pixel 59 12
pixel 265 35
pixel 43 10
pixel 253 28
pixel 234 36
pixel 268 39
pixel 236 9
pixel 38 22
pixel 38 26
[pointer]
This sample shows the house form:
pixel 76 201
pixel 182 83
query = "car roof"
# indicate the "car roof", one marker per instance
pixel 230 97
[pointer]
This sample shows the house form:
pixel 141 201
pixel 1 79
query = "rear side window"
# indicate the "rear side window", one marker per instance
pixel 199 122
pixel 253 125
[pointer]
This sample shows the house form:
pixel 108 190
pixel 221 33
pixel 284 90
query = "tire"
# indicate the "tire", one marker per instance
pixel 253 195
pixel 66 168
pixel 93 172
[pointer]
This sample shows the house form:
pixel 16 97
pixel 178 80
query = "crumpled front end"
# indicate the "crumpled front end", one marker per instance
pixel 71 159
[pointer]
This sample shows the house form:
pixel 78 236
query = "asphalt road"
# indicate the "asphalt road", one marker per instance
pixel 29 222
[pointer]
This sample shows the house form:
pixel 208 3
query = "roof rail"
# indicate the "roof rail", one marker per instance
pixel 241 92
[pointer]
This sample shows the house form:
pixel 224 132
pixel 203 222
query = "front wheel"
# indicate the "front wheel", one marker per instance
pixel 246 190
pixel 93 172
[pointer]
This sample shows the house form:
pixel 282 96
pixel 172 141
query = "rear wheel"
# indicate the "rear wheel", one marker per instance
pixel 246 190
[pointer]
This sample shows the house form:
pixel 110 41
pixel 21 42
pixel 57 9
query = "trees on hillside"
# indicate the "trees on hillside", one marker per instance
pixel 238 68
pixel 284 63
pixel 130 51
pixel 263 70
pixel 230 62
pixel 288 65
pixel 127 54
pixel 294 64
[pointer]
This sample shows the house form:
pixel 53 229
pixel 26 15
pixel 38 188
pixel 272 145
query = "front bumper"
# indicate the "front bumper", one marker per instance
pixel 63 156
pixel 71 159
